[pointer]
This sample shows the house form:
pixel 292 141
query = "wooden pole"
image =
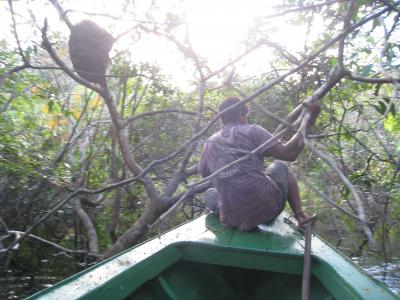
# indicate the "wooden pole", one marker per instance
pixel 308 226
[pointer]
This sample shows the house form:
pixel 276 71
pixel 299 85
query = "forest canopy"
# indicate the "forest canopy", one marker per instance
pixel 90 167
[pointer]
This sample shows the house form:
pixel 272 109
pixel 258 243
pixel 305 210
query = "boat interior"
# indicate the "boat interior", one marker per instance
pixel 188 280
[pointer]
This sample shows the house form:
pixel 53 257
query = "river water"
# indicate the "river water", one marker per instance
pixel 388 273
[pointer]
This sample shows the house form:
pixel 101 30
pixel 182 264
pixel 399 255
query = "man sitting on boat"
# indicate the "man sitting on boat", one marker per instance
pixel 245 195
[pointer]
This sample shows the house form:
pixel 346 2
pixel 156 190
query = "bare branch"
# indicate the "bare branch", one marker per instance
pixel 286 54
pixel 392 5
pixel 373 80
pixel 329 200
pixel 350 186
pixel 179 199
pixel 62 13
pixel 21 52
pixel 346 24
pixel 58 247
pixel 235 60
pixel 40 221
pixel 88 224
pixel 302 8
pixel 156 112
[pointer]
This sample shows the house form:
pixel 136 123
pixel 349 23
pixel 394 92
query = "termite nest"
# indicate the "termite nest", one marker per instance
pixel 89 48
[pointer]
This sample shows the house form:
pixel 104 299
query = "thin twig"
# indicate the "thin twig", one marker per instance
pixel 14 24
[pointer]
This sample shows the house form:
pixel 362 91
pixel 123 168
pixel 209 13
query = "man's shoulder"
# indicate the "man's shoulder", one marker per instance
pixel 245 128
pixel 250 126
pixel 214 137
pixel 257 127
pixel 252 129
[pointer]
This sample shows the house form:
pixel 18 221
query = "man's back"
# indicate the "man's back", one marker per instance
pixel 246 197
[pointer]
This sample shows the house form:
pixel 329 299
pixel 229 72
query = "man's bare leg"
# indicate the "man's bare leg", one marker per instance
pixel 294 198
pixel 210 200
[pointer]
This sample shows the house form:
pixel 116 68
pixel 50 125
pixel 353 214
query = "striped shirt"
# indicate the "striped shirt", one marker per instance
pixel 246 196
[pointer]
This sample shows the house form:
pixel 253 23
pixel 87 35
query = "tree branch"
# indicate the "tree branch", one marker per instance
pixel 346 24
pixel 14 24
pixel 373 80
pixel 326 198
pixel 54 245
pixel 88 224
pixel 302 8
pixel 392 5
pixel 350 186
pixel 156 112
pixel 62 13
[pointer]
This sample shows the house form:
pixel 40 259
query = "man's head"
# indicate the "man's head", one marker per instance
pixel 238 114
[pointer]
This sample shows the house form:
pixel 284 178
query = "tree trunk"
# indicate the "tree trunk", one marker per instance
pixel 141 226
pixel 88 224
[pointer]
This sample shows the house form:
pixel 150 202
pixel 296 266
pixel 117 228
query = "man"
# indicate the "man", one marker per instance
pixel 243 195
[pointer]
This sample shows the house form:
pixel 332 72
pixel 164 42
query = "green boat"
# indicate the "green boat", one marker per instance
pixel 203 260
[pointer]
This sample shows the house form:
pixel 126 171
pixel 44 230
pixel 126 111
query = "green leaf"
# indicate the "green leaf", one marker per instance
pixel 392 123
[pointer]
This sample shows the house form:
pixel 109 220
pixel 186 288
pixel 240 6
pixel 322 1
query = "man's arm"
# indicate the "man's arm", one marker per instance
pixel 290 151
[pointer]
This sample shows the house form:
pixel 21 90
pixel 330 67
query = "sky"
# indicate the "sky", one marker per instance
pixel 215 29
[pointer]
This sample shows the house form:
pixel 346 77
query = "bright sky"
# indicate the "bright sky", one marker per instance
pixel 215 29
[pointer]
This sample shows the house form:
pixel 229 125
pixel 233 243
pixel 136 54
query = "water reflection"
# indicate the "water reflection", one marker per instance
pixel 382 265
pixel 388 273
pixel 17 286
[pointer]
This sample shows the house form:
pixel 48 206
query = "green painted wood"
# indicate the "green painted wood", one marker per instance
pixel 175 266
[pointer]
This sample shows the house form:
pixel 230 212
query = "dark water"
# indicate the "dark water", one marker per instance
pixel 18 286
pixel 382 265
